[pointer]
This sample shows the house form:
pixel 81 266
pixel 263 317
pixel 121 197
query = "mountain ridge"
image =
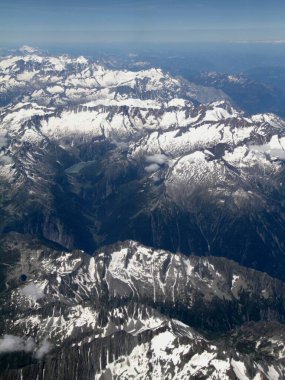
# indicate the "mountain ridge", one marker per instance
pixel 65 310
pixel 170 156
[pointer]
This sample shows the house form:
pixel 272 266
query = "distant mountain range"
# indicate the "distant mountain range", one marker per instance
pixel 256 90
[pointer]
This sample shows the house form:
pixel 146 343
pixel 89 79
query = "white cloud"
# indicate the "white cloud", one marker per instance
pixel 275 147
pixel 151 168
pixel 158 159
pixel 155 161
pixel 12 343
pixel 44 348
pixel 32 291
pixel 3 140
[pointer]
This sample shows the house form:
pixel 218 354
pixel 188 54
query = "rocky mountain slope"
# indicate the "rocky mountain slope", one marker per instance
pixel 126 313
pixel 79 142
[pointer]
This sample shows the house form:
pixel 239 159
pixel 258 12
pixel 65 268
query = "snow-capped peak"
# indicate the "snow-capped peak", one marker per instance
pixel 28 49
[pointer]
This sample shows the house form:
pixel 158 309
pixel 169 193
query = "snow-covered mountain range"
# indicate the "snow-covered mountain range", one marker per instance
pixel 125 313
pixel 169 145
pixel 91 156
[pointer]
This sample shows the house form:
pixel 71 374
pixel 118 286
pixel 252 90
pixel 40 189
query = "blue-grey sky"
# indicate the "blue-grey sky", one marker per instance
pixel 40 22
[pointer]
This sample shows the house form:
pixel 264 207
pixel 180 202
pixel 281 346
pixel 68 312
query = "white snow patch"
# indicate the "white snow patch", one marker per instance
pixel 239 370
pixel 55 90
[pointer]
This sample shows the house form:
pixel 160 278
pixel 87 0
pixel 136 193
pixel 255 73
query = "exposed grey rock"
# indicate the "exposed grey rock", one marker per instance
pixel 132 304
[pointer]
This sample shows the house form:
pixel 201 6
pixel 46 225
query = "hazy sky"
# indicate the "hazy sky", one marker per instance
pixel 140 21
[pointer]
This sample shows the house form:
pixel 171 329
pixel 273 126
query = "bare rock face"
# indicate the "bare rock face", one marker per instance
pixel 126 313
